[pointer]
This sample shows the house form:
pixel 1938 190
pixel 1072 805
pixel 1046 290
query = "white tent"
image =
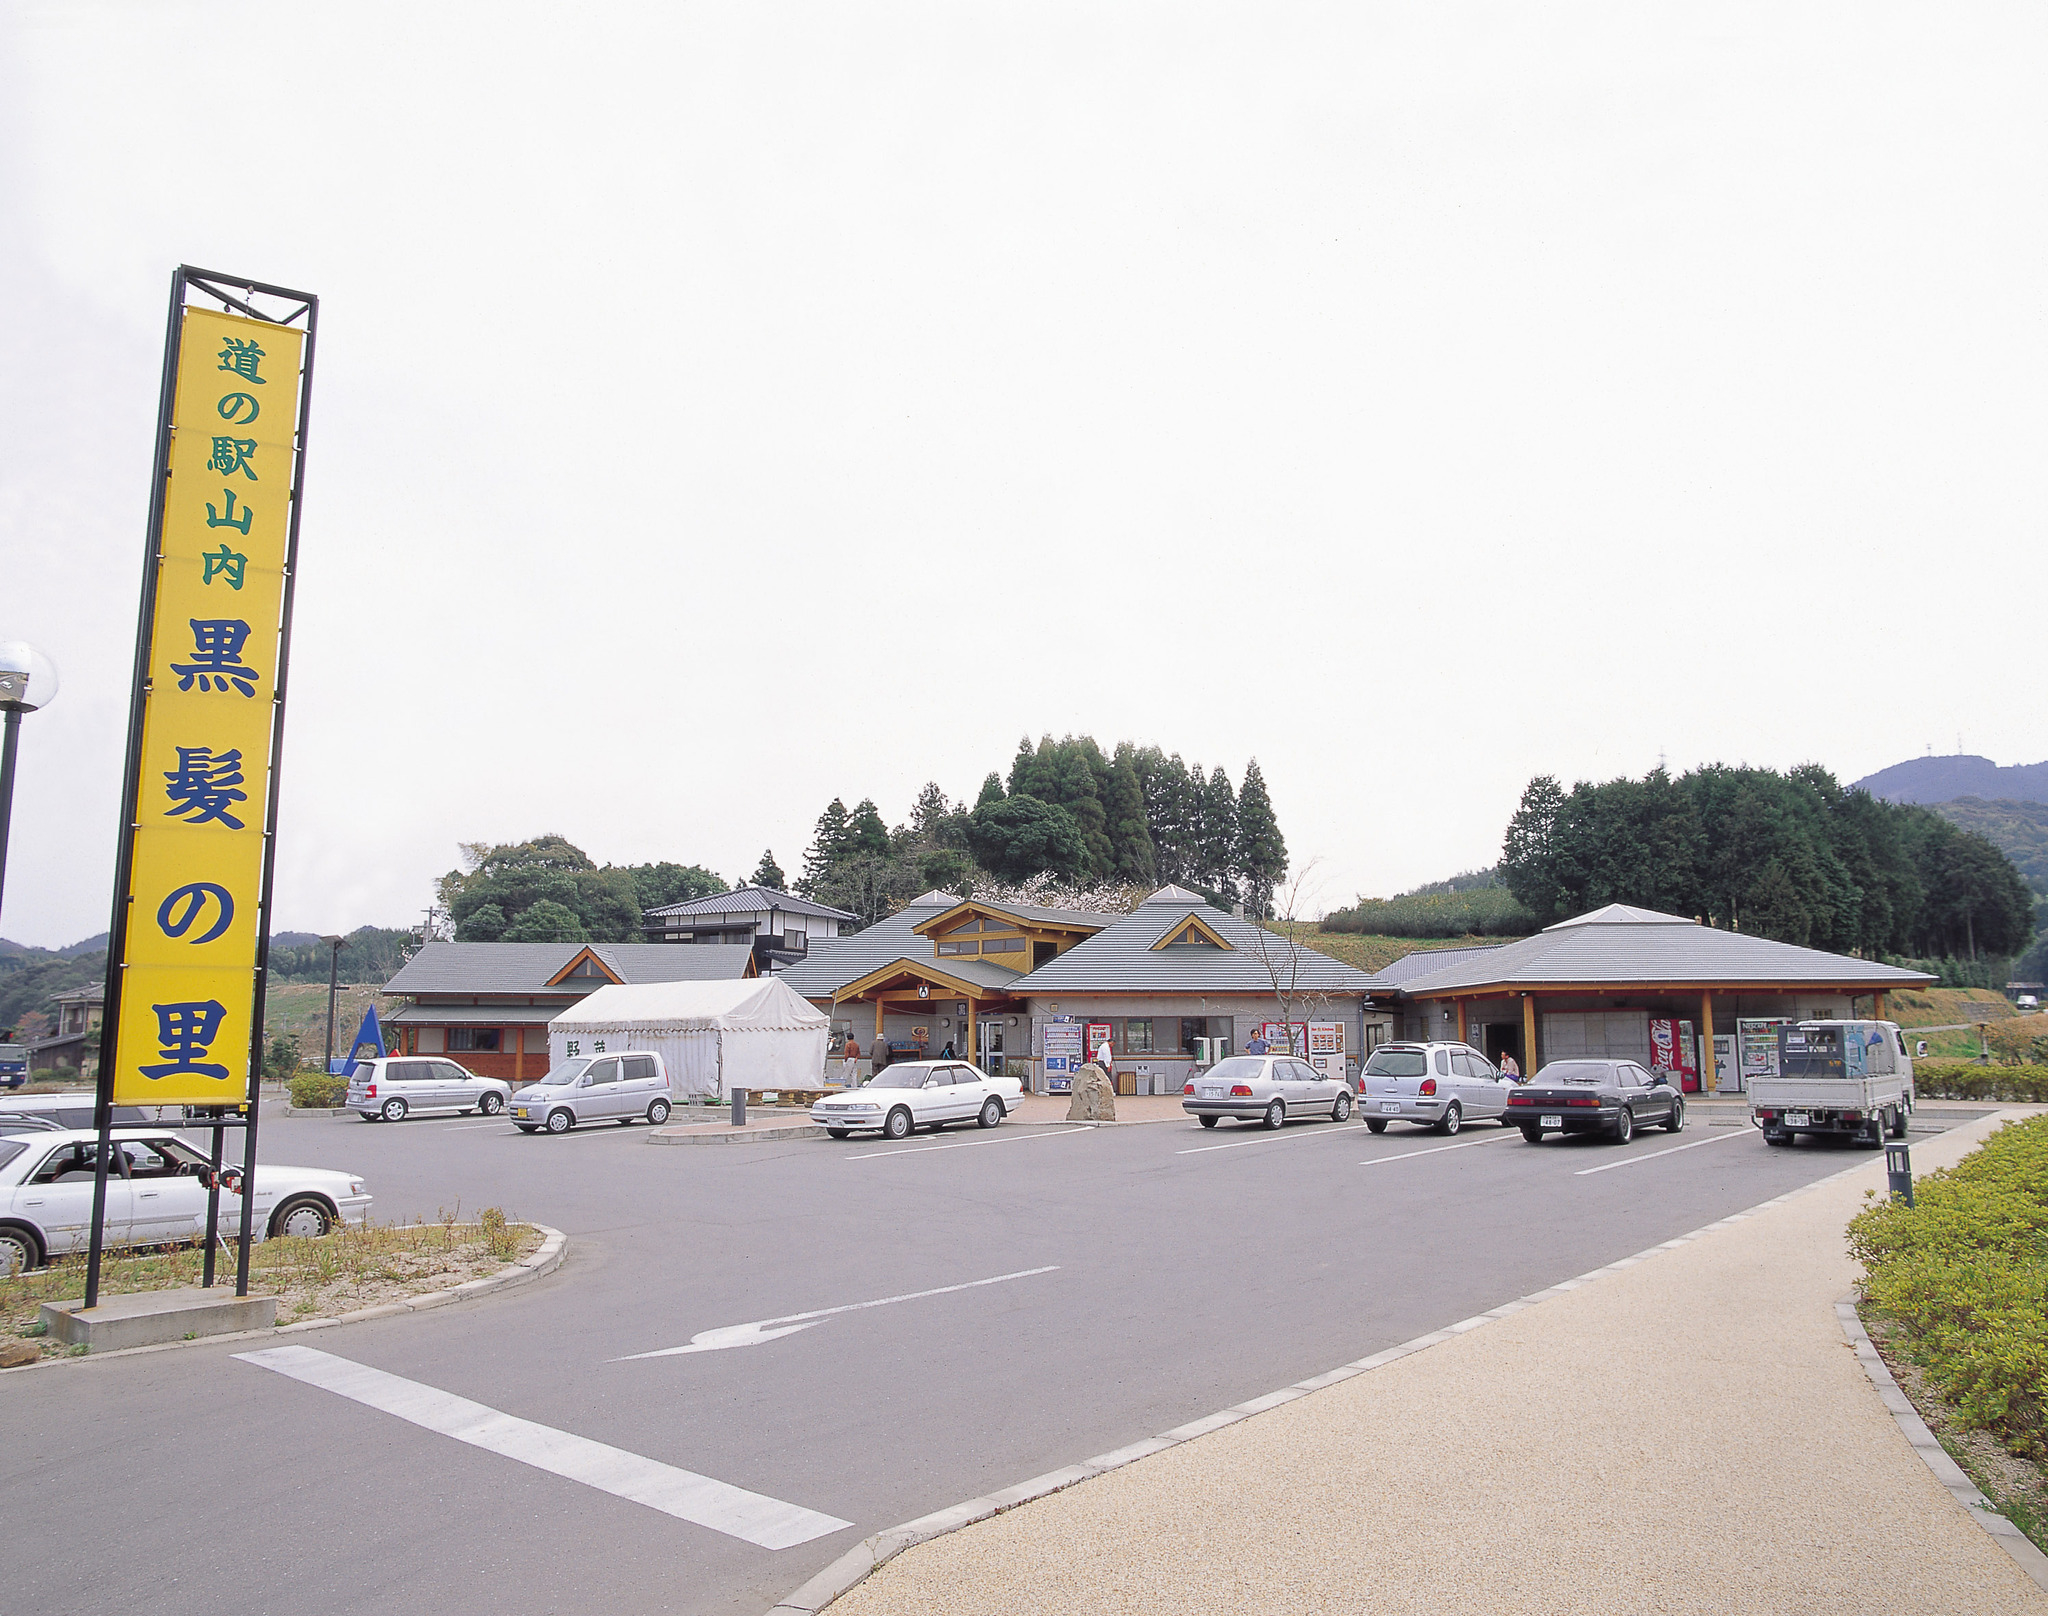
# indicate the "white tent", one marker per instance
pixel 714 1036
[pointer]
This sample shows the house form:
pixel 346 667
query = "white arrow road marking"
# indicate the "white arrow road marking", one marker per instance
pixel 1652 1155
pixel 752 1335
pixel 682 1493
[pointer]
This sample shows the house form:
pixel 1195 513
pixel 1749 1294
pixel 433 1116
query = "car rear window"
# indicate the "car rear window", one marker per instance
pixel 1397 1063
pixel 1576 1072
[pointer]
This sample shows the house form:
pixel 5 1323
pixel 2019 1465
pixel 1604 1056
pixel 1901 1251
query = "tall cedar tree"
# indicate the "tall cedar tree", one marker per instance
pixel 828 847
pixel 768 873
pixel 1261 849
pixel 1219 836
pixel 1130 838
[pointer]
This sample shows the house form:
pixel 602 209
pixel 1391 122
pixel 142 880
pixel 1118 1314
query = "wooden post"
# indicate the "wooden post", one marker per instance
pixel 1528 1035
pixel 1877 1007
pixel 1710 1079
pixel 1461 1020
pixel 967 1051
pixel 878 1025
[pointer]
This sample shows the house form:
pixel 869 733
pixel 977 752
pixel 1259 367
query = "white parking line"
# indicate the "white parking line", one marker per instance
pixel 1652 1155
pixel 687 1496
pixel 752 1335
pixel 927 1150
pixel 1434 1149
pixel 1271 1139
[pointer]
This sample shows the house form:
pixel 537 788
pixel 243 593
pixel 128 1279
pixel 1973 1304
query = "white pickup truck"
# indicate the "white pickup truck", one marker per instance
pixel 1840 1079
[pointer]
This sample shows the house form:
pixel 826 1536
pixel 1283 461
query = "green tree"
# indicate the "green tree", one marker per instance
pixel 1219 837
pixel 1130 837
pixel 546 921
pixel 828 847
pixel 767 873
pixel 991 790
pixel 1020 837
pixel 655 886
pixel 1261 859
pixel 514 877
pixel 1528 858
pixel 866 835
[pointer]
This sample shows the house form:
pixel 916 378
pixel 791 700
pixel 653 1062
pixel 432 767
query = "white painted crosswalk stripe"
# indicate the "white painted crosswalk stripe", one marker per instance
pixel 682 1493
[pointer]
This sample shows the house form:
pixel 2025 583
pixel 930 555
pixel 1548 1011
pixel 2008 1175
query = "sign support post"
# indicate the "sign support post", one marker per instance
pixel 189 940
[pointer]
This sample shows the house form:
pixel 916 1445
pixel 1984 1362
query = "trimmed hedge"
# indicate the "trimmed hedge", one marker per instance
pixel 1966 1080
pixel 1964 1272
pixel 314 1091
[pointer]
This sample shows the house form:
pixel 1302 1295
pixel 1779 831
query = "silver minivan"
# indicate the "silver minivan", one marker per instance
pixel 1440 1085
pixel 389 1088
pixel 618 1088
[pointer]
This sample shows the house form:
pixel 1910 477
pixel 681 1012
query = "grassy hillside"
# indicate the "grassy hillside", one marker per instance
pixel 299 1011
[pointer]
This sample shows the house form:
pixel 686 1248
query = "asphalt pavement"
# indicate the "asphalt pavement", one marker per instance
pixel 877 1331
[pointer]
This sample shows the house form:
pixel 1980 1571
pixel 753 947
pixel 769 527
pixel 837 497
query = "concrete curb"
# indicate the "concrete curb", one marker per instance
pixel 554 1245
pixel 291 1110
pixel 1924 1442
pixel 860 1562
pixel 745 1136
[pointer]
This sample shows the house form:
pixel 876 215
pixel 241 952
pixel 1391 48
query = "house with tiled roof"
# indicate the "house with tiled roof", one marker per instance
pixel 779 926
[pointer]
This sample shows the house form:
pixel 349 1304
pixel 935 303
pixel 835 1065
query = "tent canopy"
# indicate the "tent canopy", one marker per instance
pixel 715 1036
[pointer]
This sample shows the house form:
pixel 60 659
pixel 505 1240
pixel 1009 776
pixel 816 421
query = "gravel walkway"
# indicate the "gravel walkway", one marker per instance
pixel 1691 1434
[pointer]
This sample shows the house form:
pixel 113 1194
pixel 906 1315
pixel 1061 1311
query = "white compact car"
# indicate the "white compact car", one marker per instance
pixel 389 1088
pixel 919 1094
pixel 621 1088
pixel 1440 1085
pixel 156 1195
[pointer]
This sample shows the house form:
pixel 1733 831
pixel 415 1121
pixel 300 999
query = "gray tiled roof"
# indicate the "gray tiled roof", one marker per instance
pixel 1611 947
pixel 497 1014
pixel 1094 919
pixel 1123 959
pixel 836 961
pixel 1427 961
pixel 752 901
pixel 526 967
pixel 982 973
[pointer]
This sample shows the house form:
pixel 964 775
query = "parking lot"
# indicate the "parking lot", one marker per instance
pixel 791 1335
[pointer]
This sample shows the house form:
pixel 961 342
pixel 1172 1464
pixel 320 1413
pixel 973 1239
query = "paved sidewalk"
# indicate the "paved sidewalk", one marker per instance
pixel 1692 1433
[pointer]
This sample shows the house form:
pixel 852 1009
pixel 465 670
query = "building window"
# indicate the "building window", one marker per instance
pixel 796 940
pixel 1137 1038
pixel 1216 1028
pixel 1003 945
pixel 473 1038
pixel 968 947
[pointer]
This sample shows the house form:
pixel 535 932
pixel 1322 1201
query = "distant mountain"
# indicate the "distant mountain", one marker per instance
pixel 1943 779
pixel 2019 830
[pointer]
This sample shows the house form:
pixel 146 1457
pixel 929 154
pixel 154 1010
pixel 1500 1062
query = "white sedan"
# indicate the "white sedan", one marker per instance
pixel 156 1195
pixel 919 1094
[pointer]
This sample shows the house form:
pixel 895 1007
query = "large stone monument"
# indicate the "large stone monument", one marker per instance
pixel 1094 1098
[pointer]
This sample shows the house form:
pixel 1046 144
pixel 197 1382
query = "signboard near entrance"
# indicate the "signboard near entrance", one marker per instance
pixel 1062 1050
pixel 189 922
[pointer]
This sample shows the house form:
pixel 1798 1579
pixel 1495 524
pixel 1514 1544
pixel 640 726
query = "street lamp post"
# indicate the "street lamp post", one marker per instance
pixel 333 982
pixel 28 681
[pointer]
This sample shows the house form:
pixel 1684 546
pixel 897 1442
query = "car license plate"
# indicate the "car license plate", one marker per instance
pixel 1212 1094
pixel 520 1111
pixel 1553 1122
pixel 1798 1119
pixel 1391 1108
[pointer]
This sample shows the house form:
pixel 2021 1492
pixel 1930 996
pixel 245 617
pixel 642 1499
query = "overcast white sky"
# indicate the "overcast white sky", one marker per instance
pixel 723 408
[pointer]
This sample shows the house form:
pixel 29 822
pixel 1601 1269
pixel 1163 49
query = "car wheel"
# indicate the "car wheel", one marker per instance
pixel 1533 1135
pixel 1899 1123
pixel 525 1127
pixel 393 1109
pixel 1624 1126
pixel 1777 1138
pixel 1276 1114
pixel 1453 1118
pixel 991 1112
pixel 20 1250
pixel 491 1104
pixel 1878 1127
pixel 1675 1123
pixel 898 1125
pixel 838 1133
pixel 561 1121
pixel 657 1112
pixel 1340 1108
pixel 1207 1122
pixel 304 1218
pixel 1376 1124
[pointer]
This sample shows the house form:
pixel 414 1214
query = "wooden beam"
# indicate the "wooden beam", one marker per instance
pixel 1710 1079
pixel 1877 1006
pixel 878 1019
pixel 1529 1035
pixel 1461 1021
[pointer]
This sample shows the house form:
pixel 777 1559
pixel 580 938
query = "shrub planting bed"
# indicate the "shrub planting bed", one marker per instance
pixel 1963 1274
pixel 1967 1080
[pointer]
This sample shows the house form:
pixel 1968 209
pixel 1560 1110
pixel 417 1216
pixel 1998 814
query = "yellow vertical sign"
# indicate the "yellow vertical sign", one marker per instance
pixel 198 819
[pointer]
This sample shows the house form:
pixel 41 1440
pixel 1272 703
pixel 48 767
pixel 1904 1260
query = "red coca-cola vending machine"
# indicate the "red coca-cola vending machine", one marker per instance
pixel 1671 1050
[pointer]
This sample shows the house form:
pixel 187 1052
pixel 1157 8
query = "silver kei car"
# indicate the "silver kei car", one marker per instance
pixel 1440 1085
pixel 1264 1088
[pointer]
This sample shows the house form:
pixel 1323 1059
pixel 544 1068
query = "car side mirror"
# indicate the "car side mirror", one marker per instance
pixel 931 1082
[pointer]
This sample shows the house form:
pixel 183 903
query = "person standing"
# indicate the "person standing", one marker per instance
pixel 849 1071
